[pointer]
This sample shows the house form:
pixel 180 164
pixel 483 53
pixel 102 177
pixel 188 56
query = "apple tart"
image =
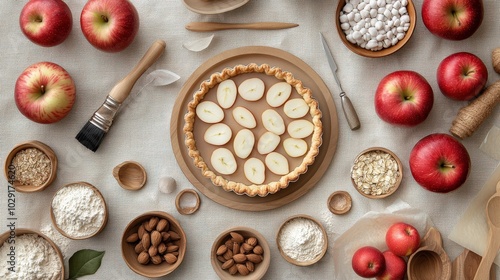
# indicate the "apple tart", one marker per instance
pixel 252 129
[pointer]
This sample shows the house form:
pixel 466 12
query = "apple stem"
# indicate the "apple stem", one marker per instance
pixel 455 16
pixel 448 165
pixel 104 18
pixel 42 87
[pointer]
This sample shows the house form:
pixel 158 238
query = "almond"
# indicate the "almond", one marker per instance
pixel 162 248
pixel 165 236
pixel 247 247
pixel 222 259
pixel 233 270
pixel 174 235
pixel 221 250
pixel 153 251
pixel 228 255
pixel 252 241
pixel 176 253
pixel 237 237
pixel 227 264
pixel 146 241
pixel 134 237
pixel 250 266
pixel 239 258
pixel 236 247
pixel 254 258
pixel 156 259
pixel 229 243
pixel 141 231
pixel 242 269
pixel 172 248
pixel 258 250
pixel 162 225
pixel 146 226
pixel 170 258
pixel 152 223
pixel 143 258
pixel 155 238
pixel 138 248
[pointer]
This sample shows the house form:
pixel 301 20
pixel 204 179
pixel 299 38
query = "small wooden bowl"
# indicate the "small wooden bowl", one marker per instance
pixel 130 256
pixel 260 269
pixel 398 179
pixel 104 222
pixel 130 175
pixel 21 231
pixel 339 202
pixel 9 169
pixel 297 262
pixel 383 52
pixel 187 210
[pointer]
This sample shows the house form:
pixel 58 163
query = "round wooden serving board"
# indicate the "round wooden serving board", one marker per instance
pixel 301 71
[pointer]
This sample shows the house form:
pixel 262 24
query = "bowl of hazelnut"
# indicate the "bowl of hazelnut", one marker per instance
pixel 153 244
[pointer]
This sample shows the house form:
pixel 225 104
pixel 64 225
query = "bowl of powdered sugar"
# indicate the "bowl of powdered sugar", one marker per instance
pixel 28 254
pixel 79 211
pixel 302 240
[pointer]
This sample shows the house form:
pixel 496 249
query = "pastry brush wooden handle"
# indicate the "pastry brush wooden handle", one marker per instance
pixel 122 89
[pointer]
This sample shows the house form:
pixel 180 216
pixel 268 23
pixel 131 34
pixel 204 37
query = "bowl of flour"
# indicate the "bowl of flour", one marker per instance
pixel 302 240
pixel 79 211
pixel 28 254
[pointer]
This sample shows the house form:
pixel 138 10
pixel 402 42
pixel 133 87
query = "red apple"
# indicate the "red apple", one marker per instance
pixel 368 262
pixel 395 267
pixel 46 22
pixel 44 92
pixel 402 239
pixel 109 25
pixel 461 76
pixel 404 98
pixel 452 19
pixel 439 163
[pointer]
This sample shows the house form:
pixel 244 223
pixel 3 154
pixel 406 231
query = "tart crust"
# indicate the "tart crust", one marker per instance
pixel 238 187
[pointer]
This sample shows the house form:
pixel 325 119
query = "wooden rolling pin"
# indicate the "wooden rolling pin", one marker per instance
pixel 214 26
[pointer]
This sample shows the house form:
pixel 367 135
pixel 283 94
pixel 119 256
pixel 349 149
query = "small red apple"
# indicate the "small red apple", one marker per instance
pixel 368 262
pixel 404 98
pixel 461 76
pixel 439 163
pixel 46 22
pixel 402 239
pixel 44 92
pixel 109 25
pixel 395 267
pixel 452 19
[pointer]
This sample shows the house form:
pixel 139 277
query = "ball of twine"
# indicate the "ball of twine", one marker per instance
pixel 495 58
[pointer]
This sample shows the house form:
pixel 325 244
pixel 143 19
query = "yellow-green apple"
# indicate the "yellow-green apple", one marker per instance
pixel 109 25
pixel 452 19
pixel 402 239
pixel 439 163
pixel 44 92
pixel 404 98
pixel 46 22
pixel 368 262
pixel 461 76
pixel 395 267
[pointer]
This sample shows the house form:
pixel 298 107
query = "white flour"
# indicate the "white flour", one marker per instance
pixel 301 239
pixel 34 259
pixel 78 210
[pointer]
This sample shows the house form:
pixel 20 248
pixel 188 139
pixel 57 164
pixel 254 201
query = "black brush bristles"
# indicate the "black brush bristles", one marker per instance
pixel 90 136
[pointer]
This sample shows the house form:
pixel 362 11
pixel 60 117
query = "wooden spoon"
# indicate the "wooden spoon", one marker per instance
pixel 430 261
pixel 493 219
pixel 464 267
pixel 214 26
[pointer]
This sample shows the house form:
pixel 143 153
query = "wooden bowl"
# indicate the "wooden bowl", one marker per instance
pixel 339 202
pixel 211 7
pixel 10 171
pixel 383 52
pixel 260 269
pixel 21 231
pixel 130 256
pixel 105 220
pixel 298 262
pixel 130 175
pixel 184 195
pixel 398 178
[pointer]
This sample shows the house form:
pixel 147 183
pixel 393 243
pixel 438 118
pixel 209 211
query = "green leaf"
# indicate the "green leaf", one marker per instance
pixel 84 262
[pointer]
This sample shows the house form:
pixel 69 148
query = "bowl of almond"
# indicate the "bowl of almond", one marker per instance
pixel 153 244
pixel 240 253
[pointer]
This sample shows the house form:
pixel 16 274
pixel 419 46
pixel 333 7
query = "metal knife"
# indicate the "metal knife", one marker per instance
pixel 349 111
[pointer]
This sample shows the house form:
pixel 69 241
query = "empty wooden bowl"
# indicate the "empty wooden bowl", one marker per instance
pixel 187 201
pixel 21 231
pixel 15 176
pixel 339 202
pixel 130 175
pixel 294 223
pixel 130 256
pixel 260 269
pixel 98 230
pixel 366 173
pixel 383 52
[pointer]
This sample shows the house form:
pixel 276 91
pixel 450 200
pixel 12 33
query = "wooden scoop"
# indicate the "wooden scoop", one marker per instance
pixel 464 267
pixel 430 261
pixel 493 219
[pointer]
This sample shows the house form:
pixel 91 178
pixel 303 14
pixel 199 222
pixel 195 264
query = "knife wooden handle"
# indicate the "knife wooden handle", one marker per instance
pixel 214 26
pixel 349 112
pixel 122 89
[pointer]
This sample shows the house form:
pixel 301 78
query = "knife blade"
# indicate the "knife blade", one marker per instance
pixel 349 111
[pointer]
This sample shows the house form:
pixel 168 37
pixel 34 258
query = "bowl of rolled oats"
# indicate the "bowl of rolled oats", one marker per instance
pixel 376 172
pixel 30 166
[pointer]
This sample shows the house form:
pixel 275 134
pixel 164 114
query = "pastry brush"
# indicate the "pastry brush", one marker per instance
pixel 92 134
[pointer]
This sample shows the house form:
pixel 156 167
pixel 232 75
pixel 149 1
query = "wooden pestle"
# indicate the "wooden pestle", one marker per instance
pixel 470 117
